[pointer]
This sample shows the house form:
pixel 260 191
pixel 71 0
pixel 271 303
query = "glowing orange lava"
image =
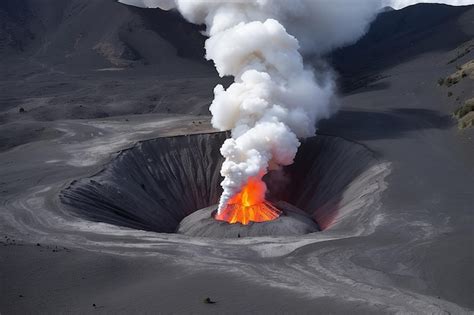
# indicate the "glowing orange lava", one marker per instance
pixel 249 205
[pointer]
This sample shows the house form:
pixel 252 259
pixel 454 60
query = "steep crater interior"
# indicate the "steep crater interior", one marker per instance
pixel 158 183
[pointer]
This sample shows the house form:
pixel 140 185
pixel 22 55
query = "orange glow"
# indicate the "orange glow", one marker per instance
pixel 249 205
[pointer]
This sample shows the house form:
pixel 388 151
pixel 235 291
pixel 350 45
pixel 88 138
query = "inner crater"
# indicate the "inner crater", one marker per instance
pixel 172 185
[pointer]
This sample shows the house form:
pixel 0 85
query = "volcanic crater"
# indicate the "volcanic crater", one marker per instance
pixel 172 185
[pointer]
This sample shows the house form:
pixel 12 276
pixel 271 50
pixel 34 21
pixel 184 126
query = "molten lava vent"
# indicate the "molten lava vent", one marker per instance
pixel 249 205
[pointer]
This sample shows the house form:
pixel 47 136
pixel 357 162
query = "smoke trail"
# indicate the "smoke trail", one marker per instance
pixel 273 102
pixel 275 99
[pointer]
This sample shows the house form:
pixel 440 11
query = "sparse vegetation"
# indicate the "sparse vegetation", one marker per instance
pixel 467 121
pixel 464 71
pixel 450 94
pixel 465 109
pixel 465 114
pixel 450 81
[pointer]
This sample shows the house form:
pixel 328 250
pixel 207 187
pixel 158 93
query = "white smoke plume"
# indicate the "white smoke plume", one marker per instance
pixel 275 99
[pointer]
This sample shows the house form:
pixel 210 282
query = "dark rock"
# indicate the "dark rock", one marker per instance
pixel 209 301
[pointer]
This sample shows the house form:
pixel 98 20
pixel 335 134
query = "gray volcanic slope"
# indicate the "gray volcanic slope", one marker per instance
pixel 80 65
pixel 72 35
pixel 154 185
pixel 397 36
pixel 93 85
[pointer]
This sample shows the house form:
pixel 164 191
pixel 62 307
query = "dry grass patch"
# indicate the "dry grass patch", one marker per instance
pixel 465 114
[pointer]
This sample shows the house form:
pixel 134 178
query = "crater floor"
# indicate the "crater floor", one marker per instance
pixel 291 222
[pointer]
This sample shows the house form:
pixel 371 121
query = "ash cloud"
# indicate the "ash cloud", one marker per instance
pixel 275 99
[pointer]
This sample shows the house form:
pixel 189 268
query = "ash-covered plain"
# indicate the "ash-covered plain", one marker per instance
pixel 106 147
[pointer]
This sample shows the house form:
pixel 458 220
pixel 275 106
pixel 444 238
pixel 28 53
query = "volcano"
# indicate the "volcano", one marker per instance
pixel 109 179
pixel 249 205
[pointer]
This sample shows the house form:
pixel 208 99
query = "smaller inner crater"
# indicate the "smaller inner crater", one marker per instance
pixel 292 221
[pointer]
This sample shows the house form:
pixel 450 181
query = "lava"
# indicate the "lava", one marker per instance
pixel 249 205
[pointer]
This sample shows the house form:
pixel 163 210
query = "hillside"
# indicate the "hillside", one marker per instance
pixel 86 59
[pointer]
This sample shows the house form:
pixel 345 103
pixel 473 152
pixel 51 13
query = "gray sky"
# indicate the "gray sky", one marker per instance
pixel 397 4
pixel 403 3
